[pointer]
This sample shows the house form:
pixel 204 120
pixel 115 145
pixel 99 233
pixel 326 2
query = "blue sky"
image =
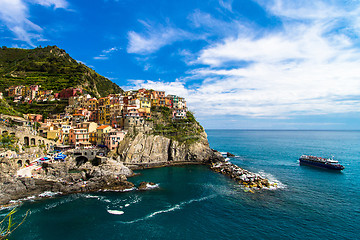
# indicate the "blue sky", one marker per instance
pixel 261 64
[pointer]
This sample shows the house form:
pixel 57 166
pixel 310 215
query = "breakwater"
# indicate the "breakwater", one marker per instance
pixel 251 181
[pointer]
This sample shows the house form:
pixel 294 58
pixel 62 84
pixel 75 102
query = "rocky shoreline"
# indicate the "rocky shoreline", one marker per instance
pixel 111 174
pixel 65 178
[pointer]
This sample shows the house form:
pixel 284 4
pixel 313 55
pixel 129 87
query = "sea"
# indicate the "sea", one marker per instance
pixel 192 202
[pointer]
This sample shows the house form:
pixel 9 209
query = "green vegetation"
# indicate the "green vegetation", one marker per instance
pixel 8 142
pixel 44 108
pixel 186 130
pixel 53 69
pixel 6 109
pixel 7 224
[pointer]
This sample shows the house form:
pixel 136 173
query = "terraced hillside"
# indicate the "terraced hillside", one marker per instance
pixel 53 69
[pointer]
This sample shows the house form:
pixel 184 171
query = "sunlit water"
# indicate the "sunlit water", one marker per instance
pixel 196 203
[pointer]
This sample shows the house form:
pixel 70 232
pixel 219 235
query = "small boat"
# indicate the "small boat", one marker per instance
pixel 328 163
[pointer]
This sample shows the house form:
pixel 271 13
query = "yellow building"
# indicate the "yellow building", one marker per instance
pixel 52 134
pixel 104 115
pixel 92 104
pixel 101 133
pixel 145 103
pixel 92 137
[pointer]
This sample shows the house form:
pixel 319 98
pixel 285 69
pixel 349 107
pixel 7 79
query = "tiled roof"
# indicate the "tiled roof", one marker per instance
pixel 103 126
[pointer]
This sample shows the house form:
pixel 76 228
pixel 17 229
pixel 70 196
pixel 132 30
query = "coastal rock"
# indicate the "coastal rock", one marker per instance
pixel 230 154
pixel 147 185
pixel 146 150
pixel 65 177
pixel 242 176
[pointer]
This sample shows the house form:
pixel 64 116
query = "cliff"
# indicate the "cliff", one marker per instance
pixel 65 178
pixel 149 150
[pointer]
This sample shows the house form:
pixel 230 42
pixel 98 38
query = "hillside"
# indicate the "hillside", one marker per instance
pixel 186 130
pixel 53 69
pixel 6 109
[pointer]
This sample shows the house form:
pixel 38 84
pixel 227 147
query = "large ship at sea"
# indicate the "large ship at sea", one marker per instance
pixel 328 163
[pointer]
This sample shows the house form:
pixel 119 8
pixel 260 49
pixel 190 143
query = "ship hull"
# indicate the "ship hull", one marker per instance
pixel 321 165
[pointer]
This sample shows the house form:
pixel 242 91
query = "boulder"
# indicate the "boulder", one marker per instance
pixel 147 186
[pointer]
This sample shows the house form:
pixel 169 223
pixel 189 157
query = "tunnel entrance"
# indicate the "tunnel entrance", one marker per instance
pixel 80 160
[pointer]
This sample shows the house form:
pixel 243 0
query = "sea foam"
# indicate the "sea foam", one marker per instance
pixel 272 180
pixel 171 209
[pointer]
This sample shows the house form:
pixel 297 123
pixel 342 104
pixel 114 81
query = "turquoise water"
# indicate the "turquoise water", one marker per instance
pixel 196 203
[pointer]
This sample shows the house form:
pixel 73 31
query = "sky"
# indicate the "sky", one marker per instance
pixel 240 64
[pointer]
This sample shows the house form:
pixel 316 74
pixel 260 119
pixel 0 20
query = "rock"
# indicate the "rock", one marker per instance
pixel 64 177
pixel 230 154
pixel 146 150
pixel 147 185
pixel 242 176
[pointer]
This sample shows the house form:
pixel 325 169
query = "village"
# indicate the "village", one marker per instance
pixel 94 122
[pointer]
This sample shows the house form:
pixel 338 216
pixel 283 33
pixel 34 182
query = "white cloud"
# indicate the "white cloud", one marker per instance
pixel 176 87
pixel 101 57
pixel 15 15
pixel 49 3
pixel 210 26
pixel 154 38
pixel 310 66
pixel 113 49
pixel 227 4
pixel 105 53
pixel 303 9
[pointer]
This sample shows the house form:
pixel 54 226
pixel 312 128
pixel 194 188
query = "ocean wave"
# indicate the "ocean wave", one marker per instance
pixel 100 198
pixel 276 184
pixel 149 186
pixel 49 194
pixel 61 202
pixel 171 209
pixel 23 199
pixel 125 190
pixel 134 200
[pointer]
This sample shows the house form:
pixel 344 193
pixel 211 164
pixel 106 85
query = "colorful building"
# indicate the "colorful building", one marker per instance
pixel 101 133
pixel 78 136
pixel 113 137
pixel 70 92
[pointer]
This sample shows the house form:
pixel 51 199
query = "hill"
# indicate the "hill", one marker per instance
pixel 6 109
pixel 186 130
pixel 53 69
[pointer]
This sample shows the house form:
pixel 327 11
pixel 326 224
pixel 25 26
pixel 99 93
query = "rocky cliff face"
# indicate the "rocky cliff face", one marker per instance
pixel 66 177
pixel 144 150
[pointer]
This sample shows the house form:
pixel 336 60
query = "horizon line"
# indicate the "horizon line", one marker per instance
pixel 255 129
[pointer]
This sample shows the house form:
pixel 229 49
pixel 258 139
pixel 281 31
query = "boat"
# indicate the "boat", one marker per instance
pixel 328 163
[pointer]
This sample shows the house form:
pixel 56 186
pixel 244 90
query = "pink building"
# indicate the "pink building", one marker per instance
pixel 34 88
pixel 113 138
pixel 35 117
pixel 70 92
pixel 78 136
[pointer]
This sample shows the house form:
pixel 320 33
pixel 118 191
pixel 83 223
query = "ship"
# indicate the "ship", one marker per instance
pixel 328 163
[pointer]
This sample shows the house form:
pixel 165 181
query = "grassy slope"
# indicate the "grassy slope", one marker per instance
pixel 6 109
pixel 53 69
pixel 184 130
